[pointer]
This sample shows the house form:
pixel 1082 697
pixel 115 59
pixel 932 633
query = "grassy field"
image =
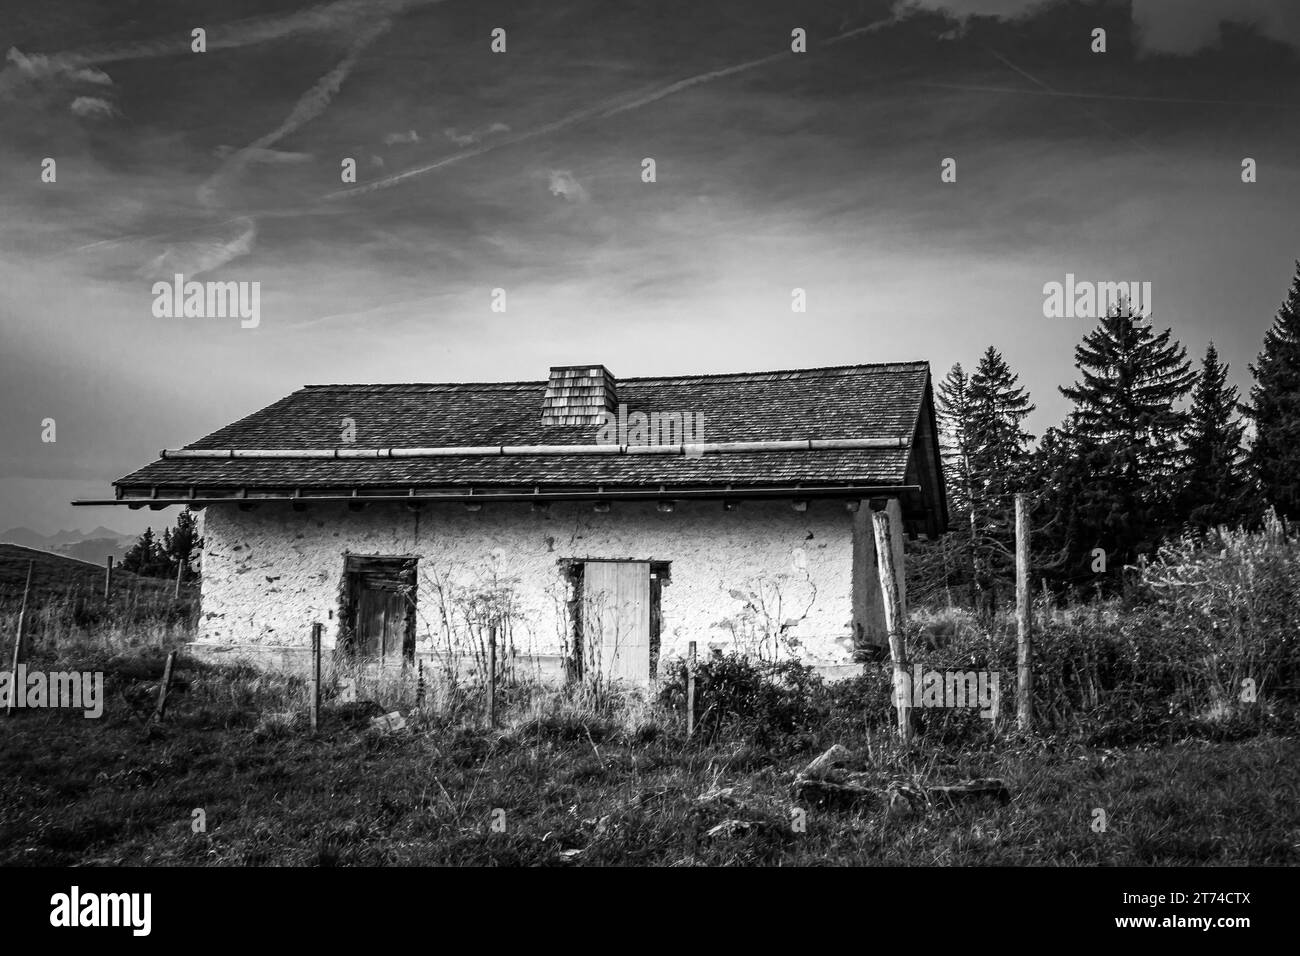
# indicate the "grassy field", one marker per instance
pixel 1143 723
pixel 566 781
pixel 57 576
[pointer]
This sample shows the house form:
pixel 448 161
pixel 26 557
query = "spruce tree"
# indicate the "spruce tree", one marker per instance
pixel 1214 488
pixel 999 443
pixel 1058 474
pixel 954 413
pixel 184 541
pixel 1274 456
pixel 985 456
pixel 998 458
pixel 142 557
pixel 1128 427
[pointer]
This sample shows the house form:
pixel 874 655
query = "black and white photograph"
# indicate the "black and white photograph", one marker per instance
pixel 650 434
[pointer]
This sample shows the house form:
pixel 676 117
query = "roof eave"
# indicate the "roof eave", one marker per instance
pixel 201 497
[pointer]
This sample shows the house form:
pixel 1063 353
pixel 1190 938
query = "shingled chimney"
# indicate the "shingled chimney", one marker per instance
pixel 579 395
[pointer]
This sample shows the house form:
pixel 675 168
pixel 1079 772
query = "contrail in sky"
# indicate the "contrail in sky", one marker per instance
pixel 601 111
pixel 329 16
pixel 1086 112
pixel 310 105
pixel 216 245
pixel 238 33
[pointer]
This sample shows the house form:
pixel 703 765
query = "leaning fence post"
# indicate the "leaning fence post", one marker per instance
pixel 108 577
pixel 164 687
pixel 180 569
pixel 18 646
pixel 690 689
pixel 893 621
pixel 1024 638
pixel 492 676
pixel 315 676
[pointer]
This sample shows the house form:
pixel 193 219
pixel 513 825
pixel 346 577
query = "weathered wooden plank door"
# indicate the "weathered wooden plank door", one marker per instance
pixel 616 620
pixel 379 607
pixel 381 622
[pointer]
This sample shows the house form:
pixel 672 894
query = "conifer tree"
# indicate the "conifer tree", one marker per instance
pixel 985 457
pixel 1057 473
pixel 999 443
pixel 998 457
pixel 954 413
pixel 184 541
pixel 143 557
pixel 1274 456
pixel 158 558
pixel 1214 490
pixel 1128 427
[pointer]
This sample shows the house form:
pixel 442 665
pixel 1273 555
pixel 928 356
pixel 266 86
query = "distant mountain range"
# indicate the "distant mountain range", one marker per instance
pixel 93 546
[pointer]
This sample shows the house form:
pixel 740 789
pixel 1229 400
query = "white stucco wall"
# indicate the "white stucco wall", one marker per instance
pixel 270 572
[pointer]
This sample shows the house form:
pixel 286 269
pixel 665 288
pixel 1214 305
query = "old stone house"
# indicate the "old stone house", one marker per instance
pixel 600 525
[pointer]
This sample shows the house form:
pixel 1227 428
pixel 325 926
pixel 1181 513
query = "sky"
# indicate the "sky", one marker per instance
pixel 522 170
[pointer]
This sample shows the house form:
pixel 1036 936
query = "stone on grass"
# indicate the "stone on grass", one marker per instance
pixel 829 766
pixel 728 828
pixel 726 797
pixel 827 783
pixel 984 788
pixel 389 723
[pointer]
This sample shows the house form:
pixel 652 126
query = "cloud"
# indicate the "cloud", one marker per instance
pixel 1180 27
pixel 213 248
pixel 340 15
pixel 310 105
pixel 473 136
pixel 565 186
pixel 961 9
pixel 38 67
pixel 611 107
pixel 269 156
pixel 395 139
pixel 91 106
pixel 1188 26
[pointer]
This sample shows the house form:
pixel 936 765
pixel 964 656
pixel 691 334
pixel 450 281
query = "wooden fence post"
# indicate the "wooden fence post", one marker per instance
pixel 18 646
pixel 180 569
pixel 492 676
pixel 893 621
pixel 164 687
pixel 1024 639
pixel 690 690
pixel 108 577
pixel 315 675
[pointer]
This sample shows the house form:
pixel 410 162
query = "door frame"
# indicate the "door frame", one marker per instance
pixel 660 575
pixel 404 568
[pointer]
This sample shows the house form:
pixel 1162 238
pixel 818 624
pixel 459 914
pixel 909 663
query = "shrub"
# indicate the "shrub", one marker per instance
pixel 1228 613
pixel 763 701
pixel 1205 614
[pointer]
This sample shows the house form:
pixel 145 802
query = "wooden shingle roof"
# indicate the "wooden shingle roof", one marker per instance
pixel 883 401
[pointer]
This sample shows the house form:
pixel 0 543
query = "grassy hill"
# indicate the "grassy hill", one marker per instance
pixel 56 576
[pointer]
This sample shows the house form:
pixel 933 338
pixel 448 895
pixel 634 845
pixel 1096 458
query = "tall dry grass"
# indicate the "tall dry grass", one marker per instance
pixel 78 621
pixel 1206 638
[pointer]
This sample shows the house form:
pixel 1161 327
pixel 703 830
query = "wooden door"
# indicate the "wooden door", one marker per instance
pixel 616 620
pixel 381 622
pixel 379 607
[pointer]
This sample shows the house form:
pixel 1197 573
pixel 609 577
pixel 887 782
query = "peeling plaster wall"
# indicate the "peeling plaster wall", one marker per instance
pixel 736 576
